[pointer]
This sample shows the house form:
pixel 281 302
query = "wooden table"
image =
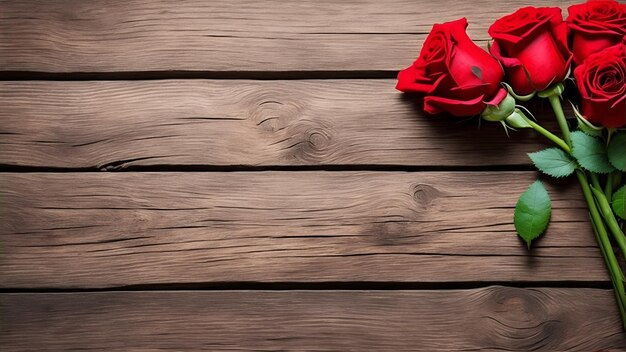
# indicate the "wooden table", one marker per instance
pixel 242 175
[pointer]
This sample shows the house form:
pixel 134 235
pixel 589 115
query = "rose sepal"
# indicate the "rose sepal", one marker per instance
pixel 585 125
pixel 517 120
pixel 554 90
pixel 501 111
pixel 518 97
pixel 506 113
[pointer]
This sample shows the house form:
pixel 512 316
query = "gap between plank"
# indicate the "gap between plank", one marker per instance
pixel 225 75
pixel 113 167
pixel 321 286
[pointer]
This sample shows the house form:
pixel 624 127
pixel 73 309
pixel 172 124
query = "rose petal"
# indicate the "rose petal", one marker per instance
pixel 611 114
pixel 543 60
pixel 507 62
pixel 497 99
pixel 540 16
pixel 595 25
pixel 601 80
pixel 455 107
pixel 407 82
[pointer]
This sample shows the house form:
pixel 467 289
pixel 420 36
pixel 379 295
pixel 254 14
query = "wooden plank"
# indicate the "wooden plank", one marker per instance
pixel 224 122
pixel 488 319
pixel 224 35
pixel 90 230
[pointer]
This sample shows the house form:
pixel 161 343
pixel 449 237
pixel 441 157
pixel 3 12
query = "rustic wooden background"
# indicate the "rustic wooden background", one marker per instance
pixel 242 175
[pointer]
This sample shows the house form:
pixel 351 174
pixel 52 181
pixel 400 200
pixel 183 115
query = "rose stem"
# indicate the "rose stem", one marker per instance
pixel 615 280
pixel 551 136
pixel 595 181
pixel 608 215
pixel 596 219
pixel 608 187
pixel 605 244
pixel 560 117
pixel 611 222
pixel 605 207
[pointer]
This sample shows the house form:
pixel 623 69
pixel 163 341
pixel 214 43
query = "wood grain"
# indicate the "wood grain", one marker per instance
pixel 91 230
pixel 114 125
pixel 224 35
pixel 142 231
pixel 488 319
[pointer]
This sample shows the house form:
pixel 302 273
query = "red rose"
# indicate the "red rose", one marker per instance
pixel 601 80
pixel 594 26
pixel 453 73
pixel 532 46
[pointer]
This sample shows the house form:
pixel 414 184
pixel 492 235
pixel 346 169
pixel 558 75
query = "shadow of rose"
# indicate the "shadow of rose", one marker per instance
pixel 479 142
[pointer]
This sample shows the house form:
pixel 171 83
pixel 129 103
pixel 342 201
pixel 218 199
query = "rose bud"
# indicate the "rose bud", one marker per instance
pixel 595 25
pixel 531 44
pixel 601 80
pixel 453 74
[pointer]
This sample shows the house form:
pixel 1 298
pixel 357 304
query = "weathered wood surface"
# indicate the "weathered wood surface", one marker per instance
pixel 488 319
pixel 89 230
pixel 229 36
pixel 355 230
pixel 238 122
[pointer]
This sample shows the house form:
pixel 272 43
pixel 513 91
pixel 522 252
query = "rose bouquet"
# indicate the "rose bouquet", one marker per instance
pixel 537 54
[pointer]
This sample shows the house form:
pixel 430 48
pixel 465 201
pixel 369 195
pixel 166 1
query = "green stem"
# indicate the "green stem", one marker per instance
pixel 551 136
pixel 611 221
pixel 608 186
pixel 617 277
pixel 560 117
pixel 595 215
pixel 615 271
pixel 615 280
pixel 617 179
pixel 595 181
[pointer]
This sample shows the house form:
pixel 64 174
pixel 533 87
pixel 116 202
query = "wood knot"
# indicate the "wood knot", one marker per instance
pixel 272 114
pixel 308 140
pixel 387 233
pixel 518 301
pixel 318 139
pixel 523 316
pixel 424 195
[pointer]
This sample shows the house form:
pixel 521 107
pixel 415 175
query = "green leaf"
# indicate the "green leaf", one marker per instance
pixel 553 162
pixel 619 202
pixel 617 151
pixel 532 212
pixel 590 153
